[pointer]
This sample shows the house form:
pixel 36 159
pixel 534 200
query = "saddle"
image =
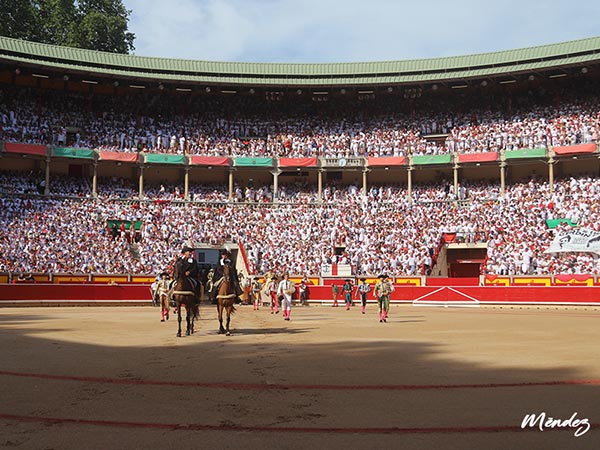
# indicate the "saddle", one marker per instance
pixel 194 285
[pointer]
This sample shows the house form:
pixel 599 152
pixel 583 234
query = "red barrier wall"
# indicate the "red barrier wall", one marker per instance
pixel 501 294
pixel 135 293
pixel 75 293
pixel 482 294
pixel 472 281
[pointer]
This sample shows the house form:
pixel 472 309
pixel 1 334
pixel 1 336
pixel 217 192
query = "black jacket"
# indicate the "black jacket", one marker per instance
pixel 183 265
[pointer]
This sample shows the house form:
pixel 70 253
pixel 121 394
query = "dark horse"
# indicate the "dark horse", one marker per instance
pixel 183 294
pixel 226 297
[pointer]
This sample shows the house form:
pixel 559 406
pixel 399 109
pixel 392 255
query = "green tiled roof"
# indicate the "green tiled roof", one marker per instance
pixel 543 57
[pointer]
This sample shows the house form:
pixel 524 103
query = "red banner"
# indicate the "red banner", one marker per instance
pixel 388 161
pixel 477 157
pixel 449 237
pixel 572 149
pixel 244 257
pixel 198 160
pixel 28 149
pixel 119 156
pixel 297 162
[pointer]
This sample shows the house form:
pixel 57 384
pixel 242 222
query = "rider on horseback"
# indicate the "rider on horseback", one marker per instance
pixel 186 265
pixel 225 259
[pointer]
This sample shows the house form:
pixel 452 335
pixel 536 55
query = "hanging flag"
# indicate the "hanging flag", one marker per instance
pixel 581 240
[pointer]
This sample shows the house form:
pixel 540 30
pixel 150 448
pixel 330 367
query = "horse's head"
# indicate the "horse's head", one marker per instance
pixel 226 272
pixel 182 283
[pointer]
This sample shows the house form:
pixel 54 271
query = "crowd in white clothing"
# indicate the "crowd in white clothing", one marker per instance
pixel 243 128
pixel 382 231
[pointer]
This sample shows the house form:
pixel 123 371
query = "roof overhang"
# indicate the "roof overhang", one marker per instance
pixel 553 59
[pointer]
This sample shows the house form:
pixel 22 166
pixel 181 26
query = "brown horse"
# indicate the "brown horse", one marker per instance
pixel 183 294
pixel 225 299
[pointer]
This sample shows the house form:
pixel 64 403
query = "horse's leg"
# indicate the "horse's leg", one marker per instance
pixel 188 319
pixel 179 319
pixel 227 332
pixel 220 312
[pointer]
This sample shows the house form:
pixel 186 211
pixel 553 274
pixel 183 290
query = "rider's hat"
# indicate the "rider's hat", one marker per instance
pixel 383 276
pixel 187 249
pixel 164 274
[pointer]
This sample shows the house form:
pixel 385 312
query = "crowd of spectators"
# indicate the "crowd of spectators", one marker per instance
pixel 248 127
pixel 34 182
pixel 380 231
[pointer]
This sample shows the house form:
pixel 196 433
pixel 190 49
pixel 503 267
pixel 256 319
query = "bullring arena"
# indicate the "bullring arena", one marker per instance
pixel 474 183
pixel 115 377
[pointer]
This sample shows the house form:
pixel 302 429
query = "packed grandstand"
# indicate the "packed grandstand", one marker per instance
pixel 351 190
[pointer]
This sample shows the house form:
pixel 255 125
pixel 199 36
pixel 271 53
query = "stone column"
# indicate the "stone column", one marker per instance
pixel 551 162
pixel 320 185
pixel 186 184
pixel 275 173
pixel 231 184
pixel 455 170
pixel 141 183
pixel 95 180
pixel 47 176
pixel 502 178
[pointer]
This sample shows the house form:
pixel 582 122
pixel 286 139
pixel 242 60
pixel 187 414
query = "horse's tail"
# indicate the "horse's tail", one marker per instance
pixel 196 310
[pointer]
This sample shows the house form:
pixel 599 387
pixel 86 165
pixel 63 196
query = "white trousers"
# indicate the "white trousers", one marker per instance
pixel 286 302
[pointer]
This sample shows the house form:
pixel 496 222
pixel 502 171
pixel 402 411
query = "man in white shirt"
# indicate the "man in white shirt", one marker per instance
pixel 285 290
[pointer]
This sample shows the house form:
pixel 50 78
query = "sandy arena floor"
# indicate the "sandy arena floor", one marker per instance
pixel 86 378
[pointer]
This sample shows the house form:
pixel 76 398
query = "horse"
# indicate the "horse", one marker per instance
pixel 226 297
pixel 184 295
